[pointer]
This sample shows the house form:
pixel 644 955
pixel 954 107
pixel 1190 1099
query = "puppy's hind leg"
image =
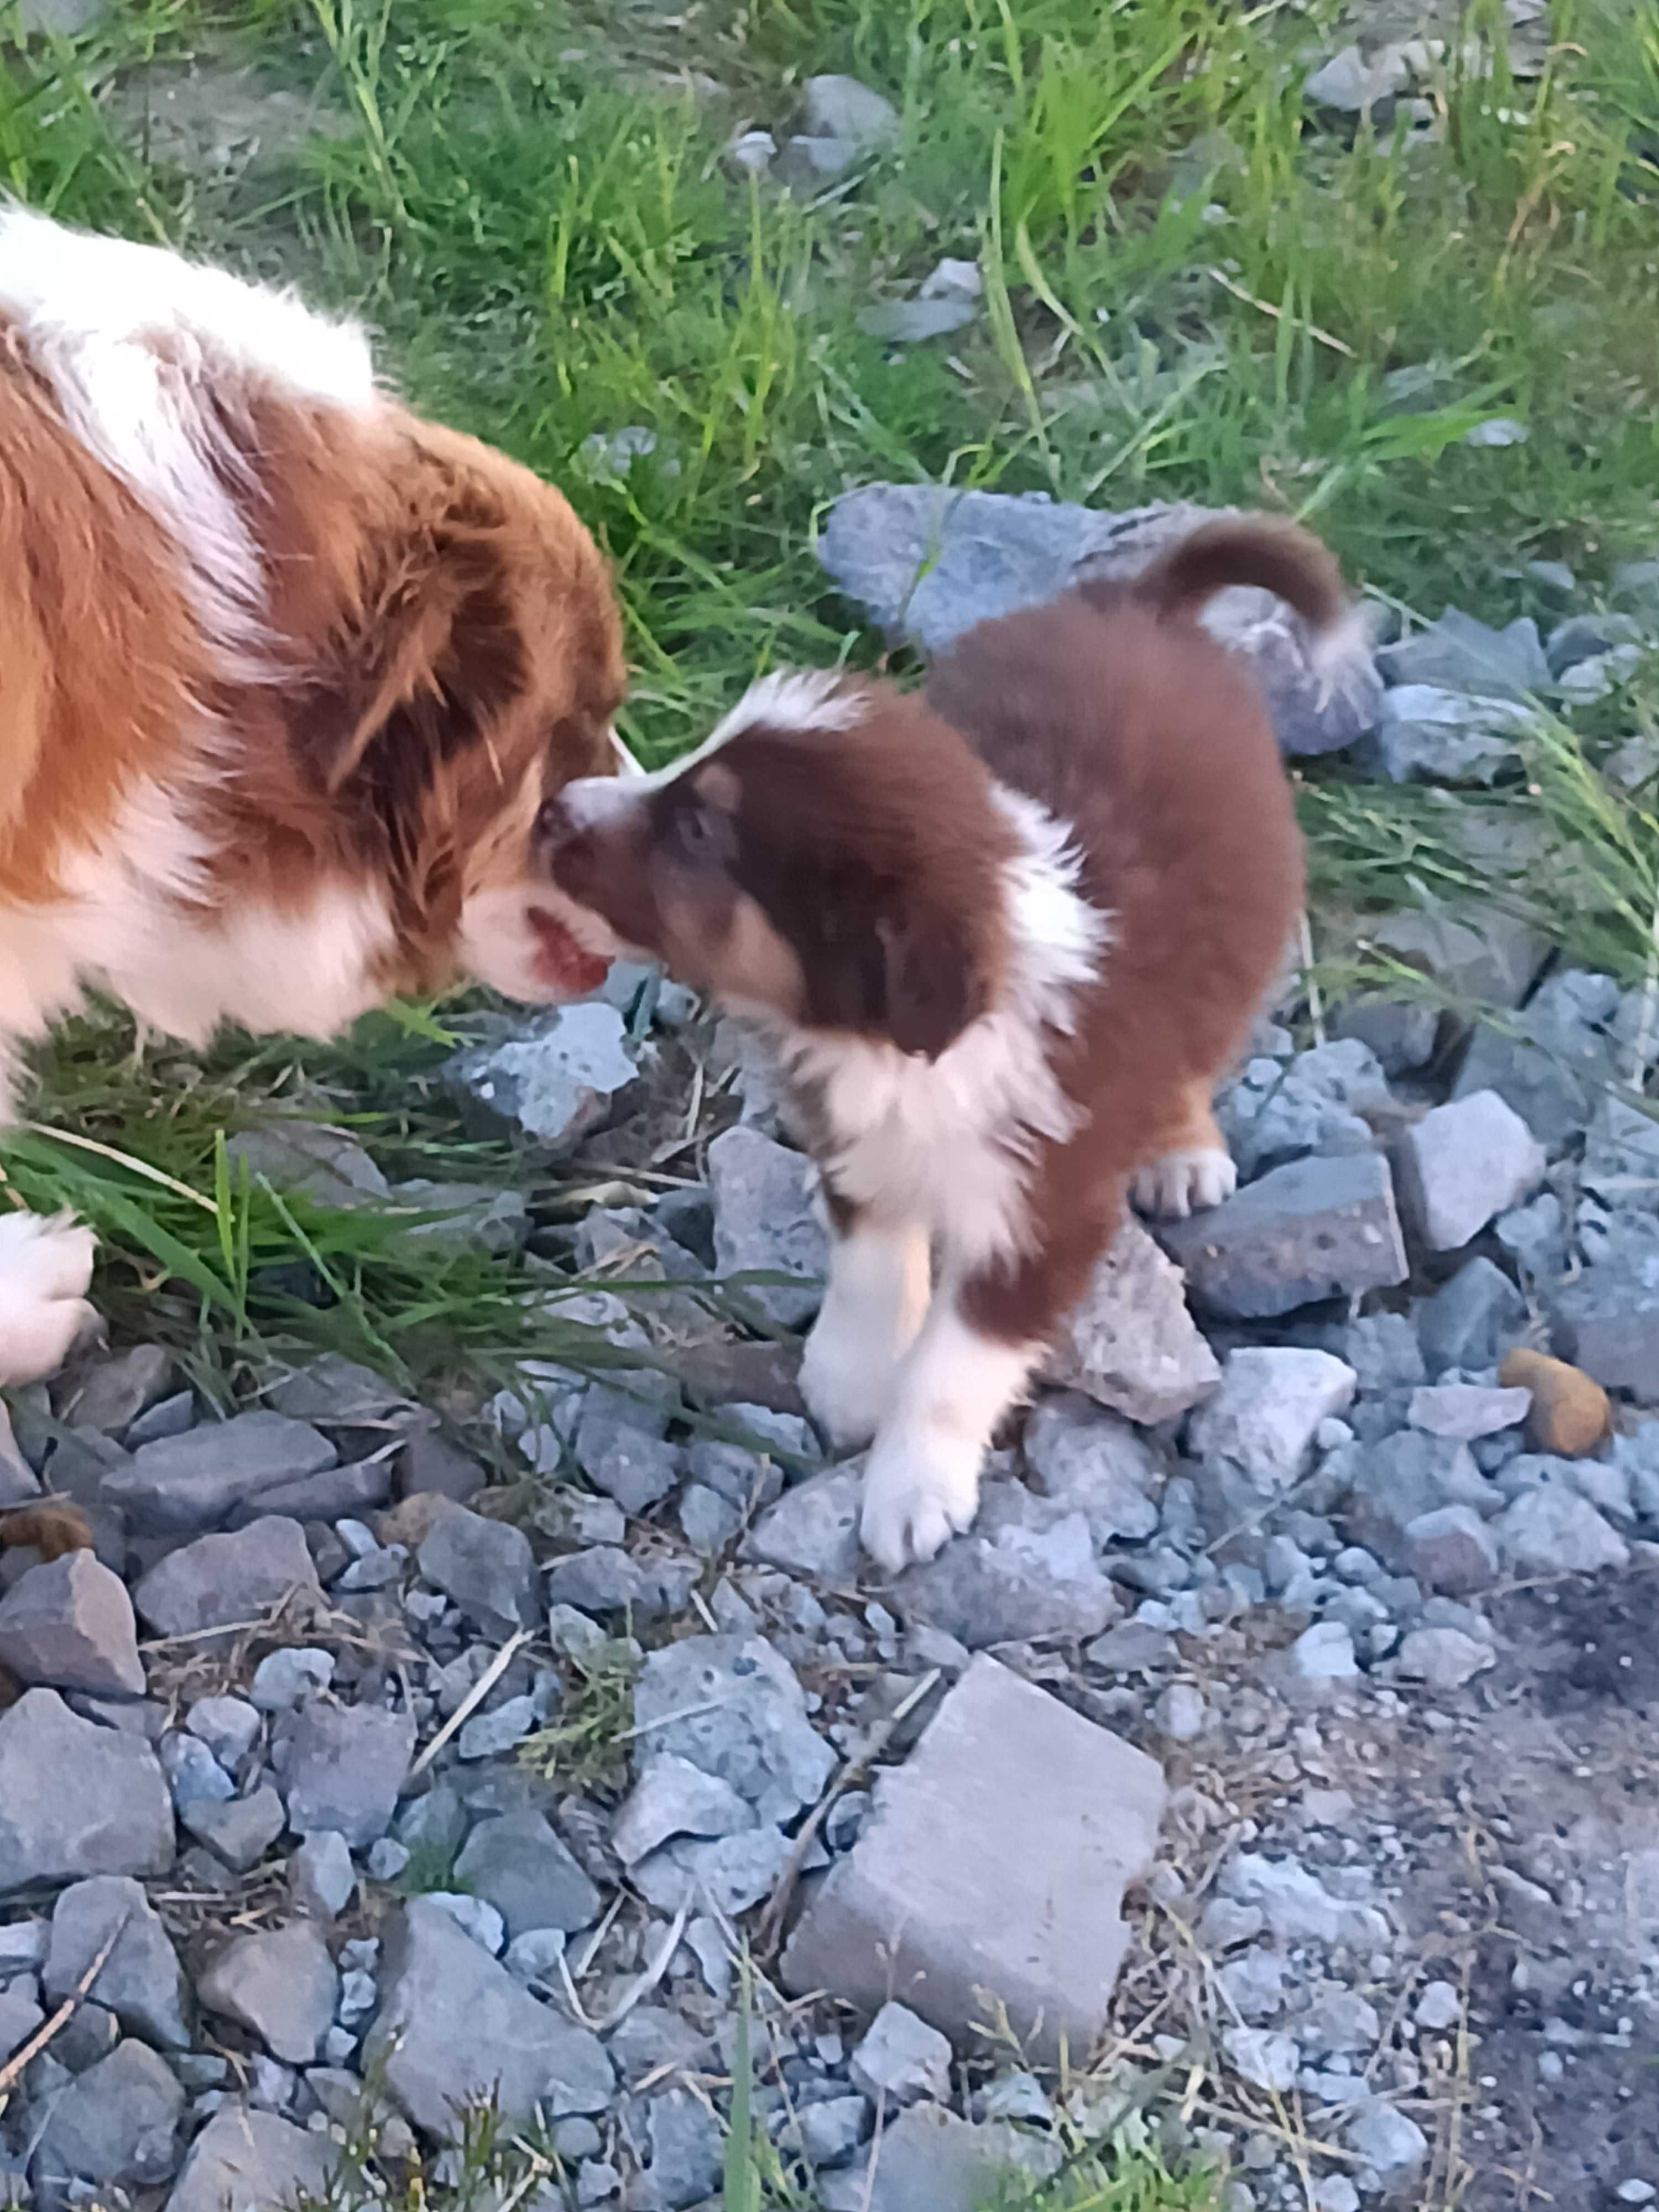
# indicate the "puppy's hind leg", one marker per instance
pixel 875 1304
pixel 45 1268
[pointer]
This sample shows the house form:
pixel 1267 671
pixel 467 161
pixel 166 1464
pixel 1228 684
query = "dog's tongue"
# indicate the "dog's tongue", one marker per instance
pixel 564 965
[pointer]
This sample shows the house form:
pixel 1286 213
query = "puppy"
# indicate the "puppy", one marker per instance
pixel 285 673
pixel 1003 939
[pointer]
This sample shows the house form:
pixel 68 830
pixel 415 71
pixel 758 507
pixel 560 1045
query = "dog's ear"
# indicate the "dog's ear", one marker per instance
pixel 933 982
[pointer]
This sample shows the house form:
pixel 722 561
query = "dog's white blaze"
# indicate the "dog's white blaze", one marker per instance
pixel 921 1480
pixel 45 1266
pixel 874 1307
pixel 947 1143
pixel 135 341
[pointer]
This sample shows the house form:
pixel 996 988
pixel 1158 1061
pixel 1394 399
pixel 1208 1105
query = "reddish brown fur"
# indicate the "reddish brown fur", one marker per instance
pixel 442 649
pixel 53 1529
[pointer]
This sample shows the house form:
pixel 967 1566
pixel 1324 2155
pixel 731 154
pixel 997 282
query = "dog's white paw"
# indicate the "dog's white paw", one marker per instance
pixel 1184 1183
pixel 847 1381
pixel 921 1488
pixel 46 1269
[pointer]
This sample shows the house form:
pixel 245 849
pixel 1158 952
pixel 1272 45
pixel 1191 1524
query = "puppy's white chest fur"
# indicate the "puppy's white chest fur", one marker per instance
pixel 947 1143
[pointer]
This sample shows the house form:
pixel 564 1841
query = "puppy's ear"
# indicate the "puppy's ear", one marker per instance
pixel 933 982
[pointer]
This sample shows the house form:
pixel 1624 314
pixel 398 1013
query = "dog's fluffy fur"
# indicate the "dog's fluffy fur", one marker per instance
pixel 285 673
pixel 1005 938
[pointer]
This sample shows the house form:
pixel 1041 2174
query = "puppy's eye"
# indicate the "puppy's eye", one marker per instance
pixel 701 833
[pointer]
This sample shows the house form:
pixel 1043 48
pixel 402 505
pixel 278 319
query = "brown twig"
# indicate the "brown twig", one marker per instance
pixel 66 2011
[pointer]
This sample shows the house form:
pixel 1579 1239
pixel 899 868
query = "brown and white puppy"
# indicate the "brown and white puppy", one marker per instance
pixel 1004 938
pixel 285 674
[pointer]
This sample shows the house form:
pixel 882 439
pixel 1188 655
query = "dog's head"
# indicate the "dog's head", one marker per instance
pixel 457 658
pixel 829 860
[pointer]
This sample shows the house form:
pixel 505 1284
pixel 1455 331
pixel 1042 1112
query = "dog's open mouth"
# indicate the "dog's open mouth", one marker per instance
pixel 563 963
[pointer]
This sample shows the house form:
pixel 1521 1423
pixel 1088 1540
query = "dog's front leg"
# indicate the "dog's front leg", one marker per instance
pixel 875 1304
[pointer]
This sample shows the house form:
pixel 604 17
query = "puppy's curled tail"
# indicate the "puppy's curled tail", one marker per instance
pixel 1272 556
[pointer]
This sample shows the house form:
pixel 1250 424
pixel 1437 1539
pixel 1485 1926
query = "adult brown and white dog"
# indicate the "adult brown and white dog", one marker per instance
pixel 285 674
pixel 1004 938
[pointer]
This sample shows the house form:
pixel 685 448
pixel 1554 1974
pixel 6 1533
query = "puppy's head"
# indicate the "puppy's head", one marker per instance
pixel 457 659
pixel 829 860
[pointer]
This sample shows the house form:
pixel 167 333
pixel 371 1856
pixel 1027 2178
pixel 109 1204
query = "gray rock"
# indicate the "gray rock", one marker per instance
pixel 1473 1319
pixel 520 1866
pixel 929 2160
pixel 1016 1780
pixel 731 1706
pixel 908 322
pixel 1450 1550
pixel 1130 1343
pixel 841 107
pixel 334 1493
pixel 931 563
pixel 564 1075
pixel 1401 1032
pixel 621 1440
pixel 502 1728
pixel 1265 2057
pixel 241 1830
pixel 1481 956
pixel 289 1676
pixel 672 1798
pixel 1026 1568
pixel 226 1581
pixel 342 1766
pixel 485 1567
pixel 1467 655
pixel 1093 1462
pixel 1316 1104
pixel 1427 734
pixel 1553 1531
pixel 813 1529
pixel 1439 2008
pixel 229 1727
pixel 602 1580
pixel 141 1982
pixel 246 2161
pixel 1550 1071
pixel 1296 1905
pixel 280 1983
pixel 1444 1658
pixel 765 1222
pixel 1621 1156
pixel 340 1393
pixel 119 2122
pixel 1389 2141
pixel 1316 1229
pixel 68 1622
pixel 110 1394
pixel 1463 1162
pixel 185 1485
pixel 1405 1476
pixel 1608 1321
pixel 320 1162
pixel 476 1918
pixel 687 2153
pixel 320 1876
pixel 1467 1410
pixel 1181 1714
pixel 194 1775
pixel 1264 1418
pixel 830 2132
pixel 106 1812
pixel 1253 1986
pixel 1352 84
pixel 1324 1653
pixel 454 2026
pixel 900 2058
pixel 464 1216
pixel 724 1875
pixel 1337 2019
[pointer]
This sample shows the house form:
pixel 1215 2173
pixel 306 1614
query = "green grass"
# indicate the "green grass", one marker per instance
pixel 1190 293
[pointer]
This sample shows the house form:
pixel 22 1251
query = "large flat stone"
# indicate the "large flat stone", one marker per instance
pixel 248 2161
pixel 1130 1343
pixel 182 1486
pixel 1318 1228
pixel 341 1768
pixel 994 1861
pixel 68 1622
pixel 224 1582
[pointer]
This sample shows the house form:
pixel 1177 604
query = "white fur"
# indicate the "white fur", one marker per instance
pixel 45 1266
pixel 880 1282
pixel 921 1480
pixel 1180 1183
pixel 117 926
pixel 499 946
pixel 947 1143
pixel 135 343
pixel 789 699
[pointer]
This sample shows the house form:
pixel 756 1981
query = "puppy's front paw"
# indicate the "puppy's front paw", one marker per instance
pixel 1184 1183
pixel 46 1268
pixel 847 1383
pixel 920 1489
